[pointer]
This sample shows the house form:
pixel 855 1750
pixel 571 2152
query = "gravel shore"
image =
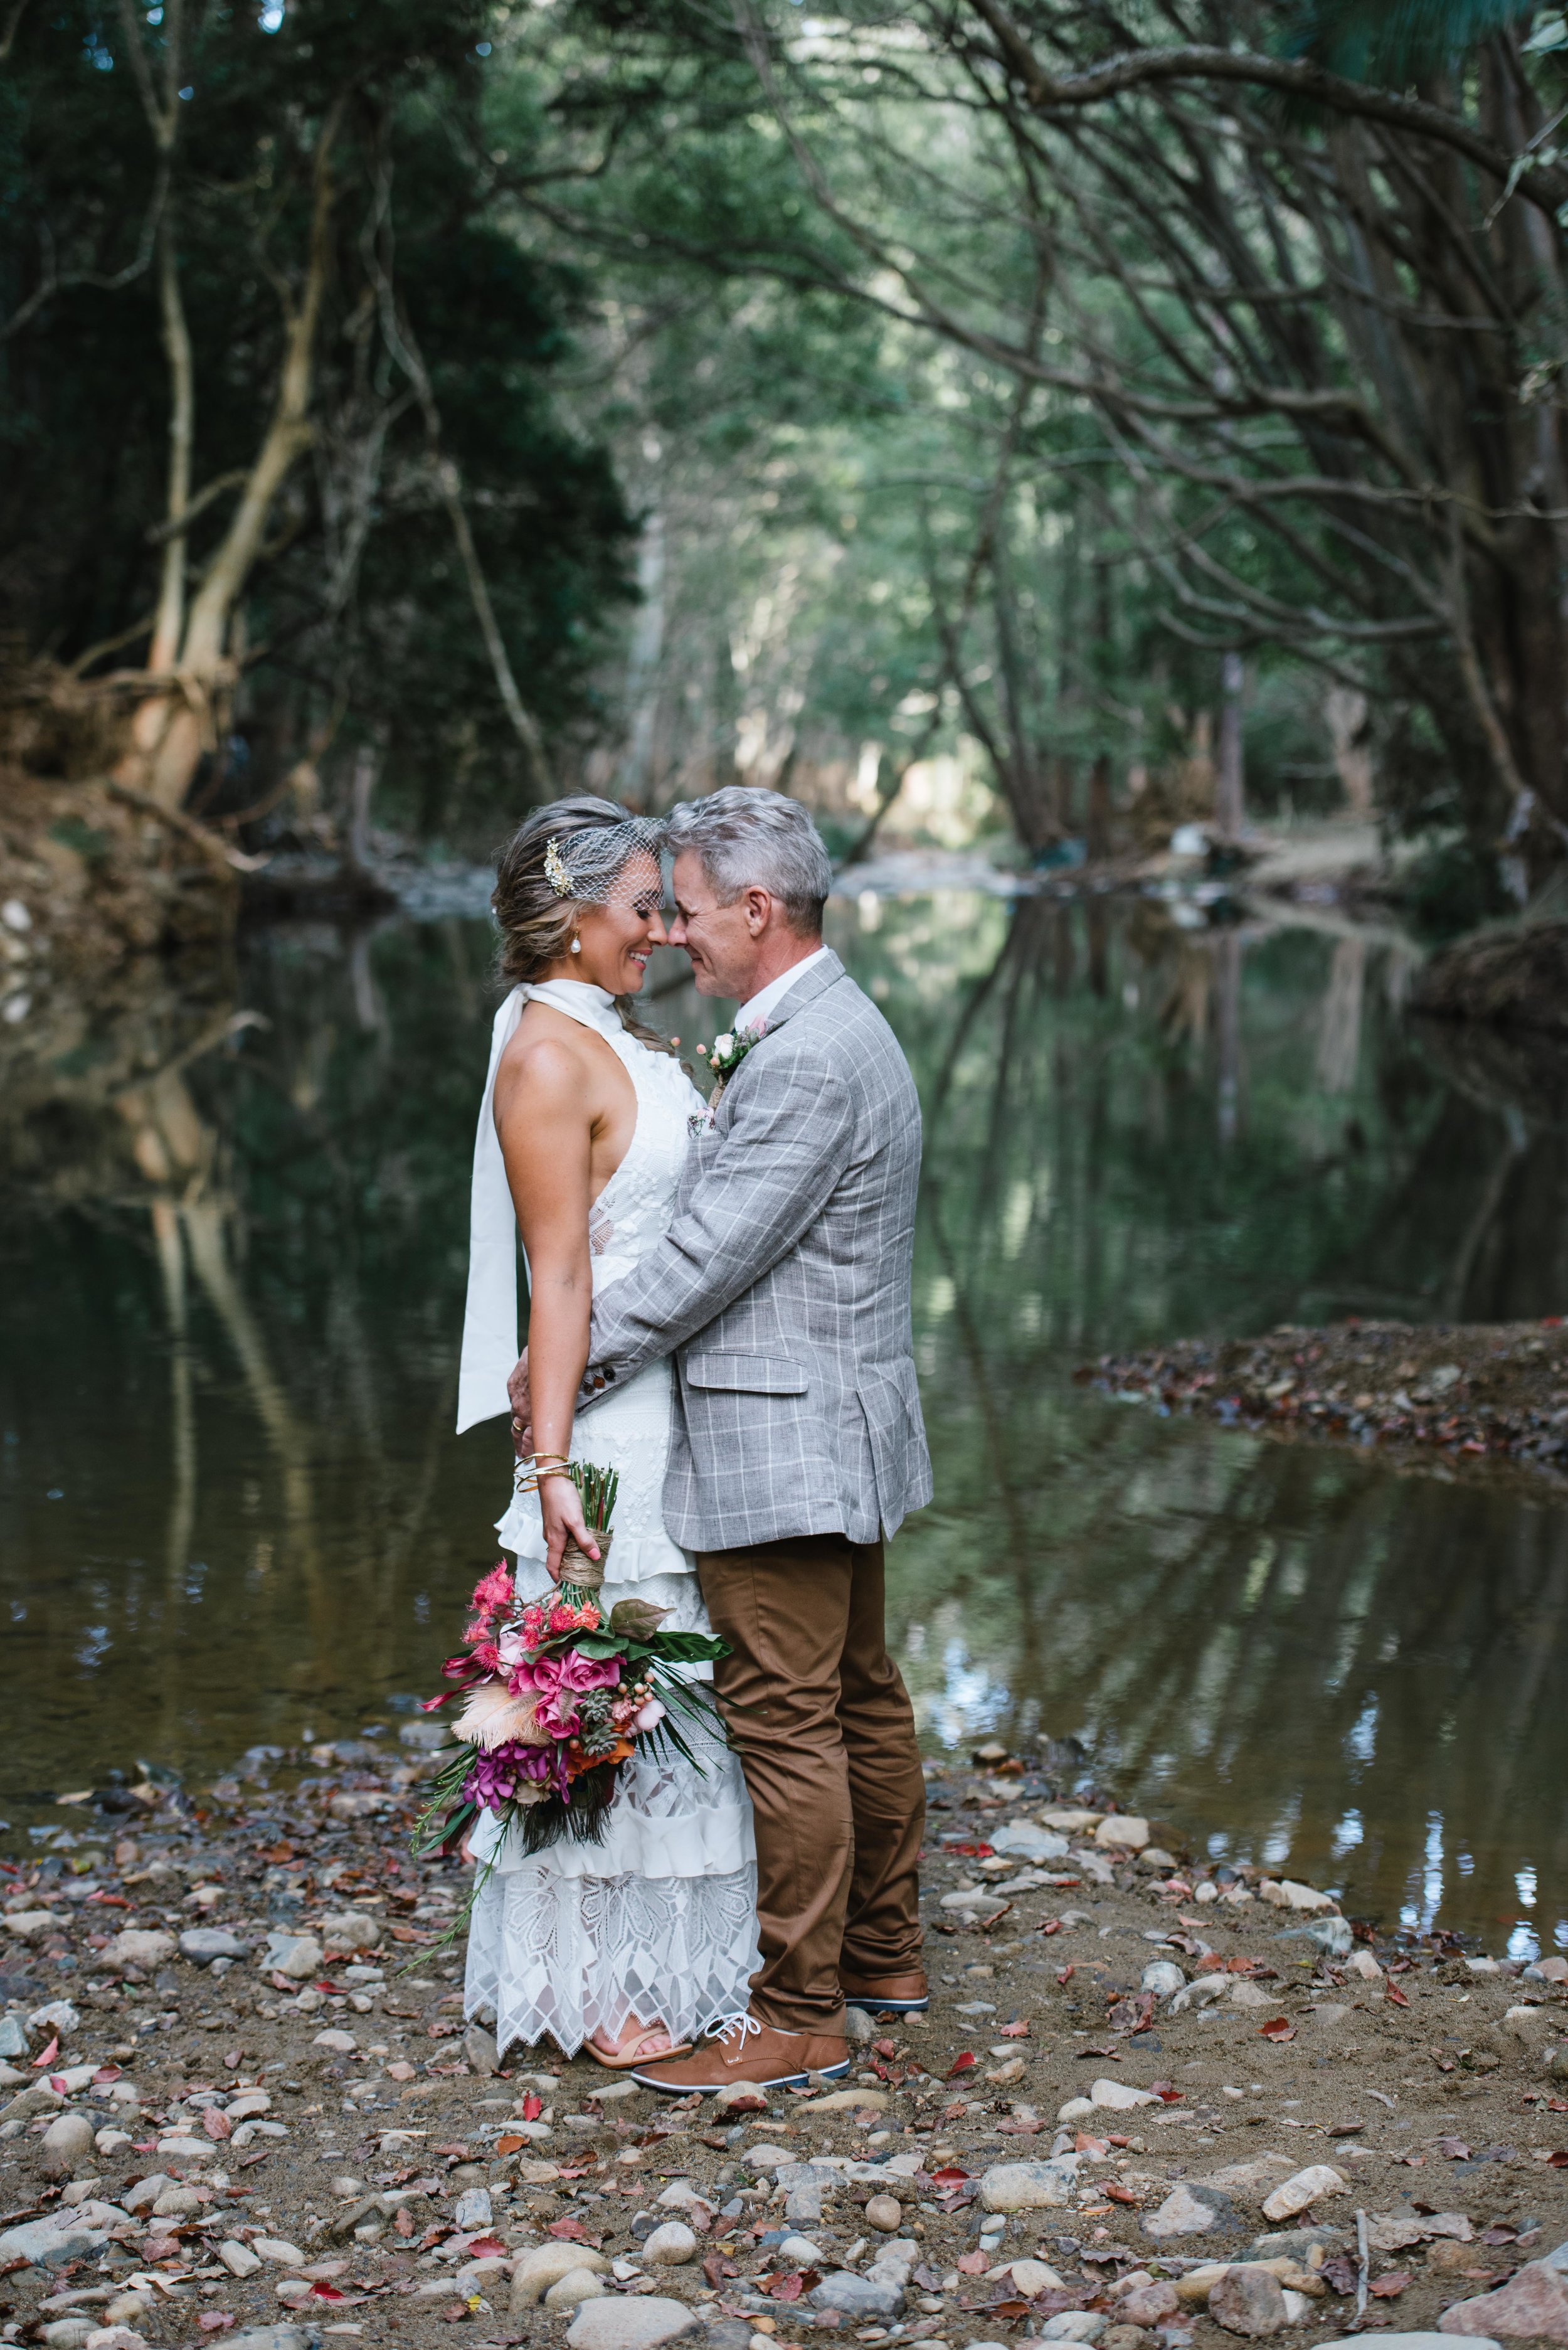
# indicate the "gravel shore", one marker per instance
pixel 1477 1395
pixel 1139 2080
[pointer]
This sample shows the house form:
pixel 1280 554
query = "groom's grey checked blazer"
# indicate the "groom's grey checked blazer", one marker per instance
pixel 782 1289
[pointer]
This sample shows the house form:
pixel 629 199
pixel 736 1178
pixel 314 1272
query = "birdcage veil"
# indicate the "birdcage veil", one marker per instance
pixel 593 866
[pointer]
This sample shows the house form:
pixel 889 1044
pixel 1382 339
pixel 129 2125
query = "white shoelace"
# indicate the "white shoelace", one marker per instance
pixel 739 2023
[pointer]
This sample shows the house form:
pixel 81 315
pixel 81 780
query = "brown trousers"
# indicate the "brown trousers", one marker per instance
pixel 826 1738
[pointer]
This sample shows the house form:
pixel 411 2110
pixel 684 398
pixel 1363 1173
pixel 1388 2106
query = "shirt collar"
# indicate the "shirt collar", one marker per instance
pixel 773 993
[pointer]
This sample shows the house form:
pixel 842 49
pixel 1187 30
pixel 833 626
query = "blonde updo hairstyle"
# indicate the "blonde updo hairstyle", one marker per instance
pixel 536 922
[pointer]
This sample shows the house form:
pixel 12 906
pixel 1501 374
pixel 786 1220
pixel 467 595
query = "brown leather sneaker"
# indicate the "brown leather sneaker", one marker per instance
pixel 744 2048
pixel 893 1994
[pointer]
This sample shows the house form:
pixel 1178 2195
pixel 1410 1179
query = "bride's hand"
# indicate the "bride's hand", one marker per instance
pixel 522 1408
pixel 561 1507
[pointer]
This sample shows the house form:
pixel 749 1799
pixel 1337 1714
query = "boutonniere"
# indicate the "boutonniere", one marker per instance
pixel 724 1056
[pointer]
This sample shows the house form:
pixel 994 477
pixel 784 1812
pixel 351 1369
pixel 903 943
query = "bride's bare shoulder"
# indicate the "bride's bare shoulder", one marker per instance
pixel 545 1063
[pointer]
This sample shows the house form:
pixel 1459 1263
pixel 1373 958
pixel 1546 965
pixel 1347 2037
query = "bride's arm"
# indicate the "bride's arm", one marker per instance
pixel 546 1131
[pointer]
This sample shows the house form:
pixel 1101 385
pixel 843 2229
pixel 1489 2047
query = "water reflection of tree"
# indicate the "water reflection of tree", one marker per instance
pixel 1227 1617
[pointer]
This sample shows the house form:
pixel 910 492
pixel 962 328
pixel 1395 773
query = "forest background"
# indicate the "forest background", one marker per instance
pixel 1020 420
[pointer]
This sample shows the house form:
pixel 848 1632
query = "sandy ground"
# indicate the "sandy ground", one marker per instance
pixel 1478 1394
pixel 1435 2088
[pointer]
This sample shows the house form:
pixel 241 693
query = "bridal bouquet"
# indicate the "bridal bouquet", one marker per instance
pixel 556 1697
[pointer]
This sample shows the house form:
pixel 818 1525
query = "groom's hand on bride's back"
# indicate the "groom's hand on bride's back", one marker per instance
pixel 522 1408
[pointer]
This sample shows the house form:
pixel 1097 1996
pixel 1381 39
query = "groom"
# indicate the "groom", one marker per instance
pixel 781 1290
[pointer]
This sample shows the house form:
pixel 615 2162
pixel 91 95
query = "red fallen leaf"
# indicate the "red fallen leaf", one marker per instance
pixel 1114 2140
pixel 456 2149
pixel 572 2231
pixel 48 2056
pixel 113 1901
pixel 532 2107
pixel 1398 1996
pixel 1277 2029
pixel 1016 2031
pixel 1065 1974
pixel 217 2125
pixel 969 1851
pixel 787 2288
pixel 403 2220
pixel 972 2263
pixel 407 1934
pixel 1167 2095
pixel 1453 2149
pixel 1557 2104
pixel 1212 1965
pixel 1049 1925
pixel 215 2321
pixel 1012 2310
pixel 485 2248
pixel 1116 2191
pixel 964 2063
pixel 1559 2161
pixel 716 2268
pixel 1387 2288
pixel 105 2073
pixel 1096 2148
pixel 509 2145
pixel 950 2175
pixel 324 2292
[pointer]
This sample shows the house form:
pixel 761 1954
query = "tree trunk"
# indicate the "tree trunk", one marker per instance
pixel 1229 812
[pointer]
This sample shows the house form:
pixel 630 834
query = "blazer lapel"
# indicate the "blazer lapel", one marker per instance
pixel 806 989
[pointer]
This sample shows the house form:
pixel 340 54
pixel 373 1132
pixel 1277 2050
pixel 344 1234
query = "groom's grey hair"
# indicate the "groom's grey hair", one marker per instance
pixel 745 838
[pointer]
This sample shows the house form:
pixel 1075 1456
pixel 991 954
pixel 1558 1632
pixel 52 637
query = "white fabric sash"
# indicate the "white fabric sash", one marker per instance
pixel 490 1318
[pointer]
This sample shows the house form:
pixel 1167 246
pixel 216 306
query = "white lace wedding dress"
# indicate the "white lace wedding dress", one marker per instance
pixel 660 1920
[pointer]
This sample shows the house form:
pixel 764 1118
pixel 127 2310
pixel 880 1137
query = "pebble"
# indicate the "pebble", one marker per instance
pixel 538 2269
pixel 238 2259
pixel 348 1929
pixel 202 1944
pixel 638 2323
pixel 483 2056
pixel 1030 1843
pixel 472 2210
pixel 1123 1833
pixel 68 2332
pixel 1534 2301
pixel 885 2213
pixel 58 2016
pixel 571 2291
pixel 67 2144
pixel 1164 1977
pixel 1248 2300
pixel 1295 2194
pixel 14 2041
pixel 136 1946
pixel 1031 2277
pixel 670 2246
pixel 857 2296
pixel 1193 2211
pixel 343 2044
pixel 51 2243
pixel 299 1956
pixel 1030 2185
pixel 1073 2325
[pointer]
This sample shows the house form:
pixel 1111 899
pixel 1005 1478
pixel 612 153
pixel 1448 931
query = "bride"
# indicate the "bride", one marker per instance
pixel 634 1945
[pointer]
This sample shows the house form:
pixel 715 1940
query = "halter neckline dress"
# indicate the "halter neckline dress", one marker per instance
pixel 660 1920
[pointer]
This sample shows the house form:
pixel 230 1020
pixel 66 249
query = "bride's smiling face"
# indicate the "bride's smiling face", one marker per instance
pixel 615 940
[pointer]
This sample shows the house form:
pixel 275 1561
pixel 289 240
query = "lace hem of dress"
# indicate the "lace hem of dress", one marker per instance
pixel 573 1956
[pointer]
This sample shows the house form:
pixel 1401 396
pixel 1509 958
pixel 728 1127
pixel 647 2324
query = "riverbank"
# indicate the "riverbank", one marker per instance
pixel 242 2090
pixel 1472 1395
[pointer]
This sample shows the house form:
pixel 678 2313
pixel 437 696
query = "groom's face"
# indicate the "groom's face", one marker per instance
pixel 724 943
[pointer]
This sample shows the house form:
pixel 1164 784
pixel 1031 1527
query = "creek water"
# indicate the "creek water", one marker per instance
pixel 233 1511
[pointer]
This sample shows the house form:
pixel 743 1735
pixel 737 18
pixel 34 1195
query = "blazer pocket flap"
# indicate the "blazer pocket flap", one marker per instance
pixel 746 1374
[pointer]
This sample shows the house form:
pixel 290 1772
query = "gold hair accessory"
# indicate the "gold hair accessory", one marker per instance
pixel 555 872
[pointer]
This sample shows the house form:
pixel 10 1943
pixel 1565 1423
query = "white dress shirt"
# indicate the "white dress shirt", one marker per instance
pixel 762 1003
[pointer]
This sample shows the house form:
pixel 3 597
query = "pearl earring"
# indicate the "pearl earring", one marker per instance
pixel 576 946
